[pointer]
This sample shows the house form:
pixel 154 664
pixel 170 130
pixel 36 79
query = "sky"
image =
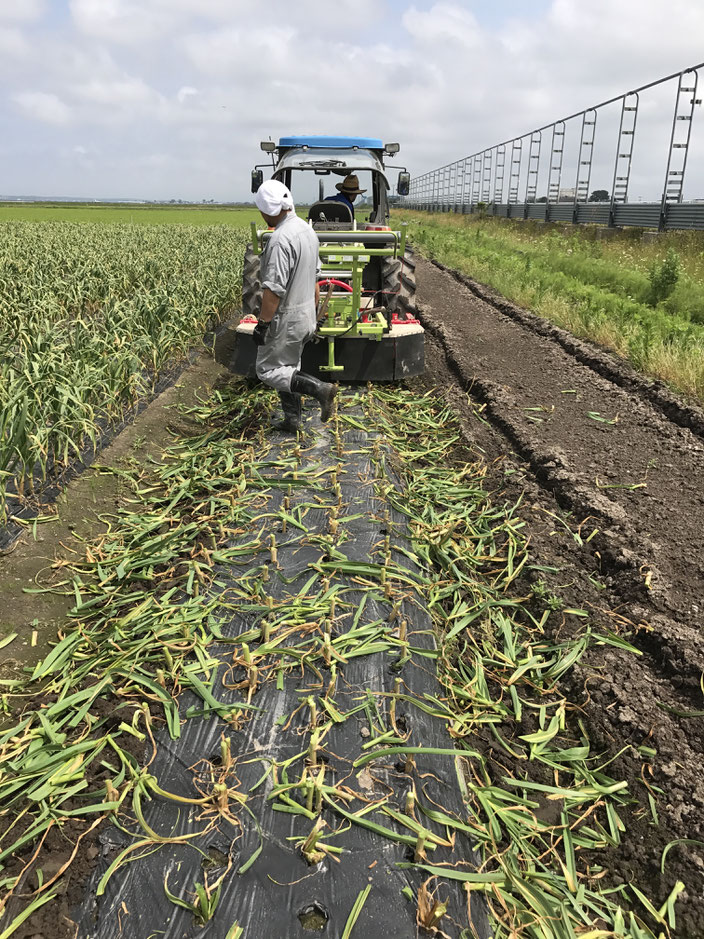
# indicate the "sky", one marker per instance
pixel 161 99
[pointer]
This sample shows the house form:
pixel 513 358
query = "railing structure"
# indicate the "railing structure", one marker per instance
pixel 505 179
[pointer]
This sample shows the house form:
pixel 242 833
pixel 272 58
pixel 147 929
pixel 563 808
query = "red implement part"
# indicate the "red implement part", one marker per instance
pixel 400 318
pixel 336 283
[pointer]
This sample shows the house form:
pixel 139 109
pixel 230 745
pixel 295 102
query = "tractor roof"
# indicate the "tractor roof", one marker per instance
pixel 324 160
pixel 326 142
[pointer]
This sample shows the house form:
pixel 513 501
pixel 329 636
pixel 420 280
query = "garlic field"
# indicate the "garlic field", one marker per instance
pixel 90 317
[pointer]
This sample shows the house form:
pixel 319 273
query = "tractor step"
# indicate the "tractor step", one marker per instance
pixel 397 355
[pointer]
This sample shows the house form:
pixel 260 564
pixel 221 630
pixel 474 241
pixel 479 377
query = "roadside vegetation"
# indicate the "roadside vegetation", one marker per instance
pixel 90 318
pixel 642 299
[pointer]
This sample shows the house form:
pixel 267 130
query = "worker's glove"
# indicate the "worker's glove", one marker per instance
pixel 259 334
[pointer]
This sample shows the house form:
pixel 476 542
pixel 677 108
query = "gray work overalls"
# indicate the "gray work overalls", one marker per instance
pixel 290 264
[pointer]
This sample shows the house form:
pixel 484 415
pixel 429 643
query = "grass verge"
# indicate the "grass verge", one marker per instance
pixel 643 300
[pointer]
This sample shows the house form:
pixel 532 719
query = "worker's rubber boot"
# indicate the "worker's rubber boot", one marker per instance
pixel 322 391
pixel 291 404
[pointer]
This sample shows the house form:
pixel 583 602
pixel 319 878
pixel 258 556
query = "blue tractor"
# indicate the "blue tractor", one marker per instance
pixel 367 324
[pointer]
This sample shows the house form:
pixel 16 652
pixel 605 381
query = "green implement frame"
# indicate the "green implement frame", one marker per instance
pixel 344 258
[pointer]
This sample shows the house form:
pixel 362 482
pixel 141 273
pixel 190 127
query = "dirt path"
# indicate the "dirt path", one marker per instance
pixel 614 503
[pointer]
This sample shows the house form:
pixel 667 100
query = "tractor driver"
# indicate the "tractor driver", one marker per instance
pixel 289 266
pixel 348 190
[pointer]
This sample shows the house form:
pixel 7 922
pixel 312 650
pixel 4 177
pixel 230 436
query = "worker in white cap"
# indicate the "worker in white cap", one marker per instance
pixel 289 267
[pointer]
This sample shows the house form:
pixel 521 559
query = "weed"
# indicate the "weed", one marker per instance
pixel 541 592
pixel 663 277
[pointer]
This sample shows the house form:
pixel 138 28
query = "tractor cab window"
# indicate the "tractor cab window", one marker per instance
pixel 337 198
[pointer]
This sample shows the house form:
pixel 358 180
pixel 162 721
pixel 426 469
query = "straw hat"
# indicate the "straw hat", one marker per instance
pixel 350 186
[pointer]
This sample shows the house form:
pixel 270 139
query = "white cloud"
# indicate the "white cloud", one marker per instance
pixel 443 23
pixel 154 160
pixel 629 42
pixel 135 22
pixel 258 51
pixel 13 43
pixel 341 19
pixel 121 21
pixel 24 10
pixel 185 93
pixel 127 92
pixel 139 22
pixel 43 106
pixel 211 9
pixel 83 157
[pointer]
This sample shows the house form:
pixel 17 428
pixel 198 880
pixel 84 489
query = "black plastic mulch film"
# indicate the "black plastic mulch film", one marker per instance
pixel 279 894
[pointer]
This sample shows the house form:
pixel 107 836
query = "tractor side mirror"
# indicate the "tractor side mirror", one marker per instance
pixel 404 184
pixel 257 179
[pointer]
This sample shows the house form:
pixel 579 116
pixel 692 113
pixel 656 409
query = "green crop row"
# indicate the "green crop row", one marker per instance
pixel 130 214
pixel 645 301
pixel 90 316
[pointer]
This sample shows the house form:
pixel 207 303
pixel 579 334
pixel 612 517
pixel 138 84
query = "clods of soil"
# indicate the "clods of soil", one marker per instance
pixel 613 498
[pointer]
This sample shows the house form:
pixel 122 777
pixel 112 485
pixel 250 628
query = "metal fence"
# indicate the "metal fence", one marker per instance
pixel 505 180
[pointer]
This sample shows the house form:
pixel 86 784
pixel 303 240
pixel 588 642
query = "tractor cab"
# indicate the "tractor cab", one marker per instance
pixel 311 166
pixel 367 324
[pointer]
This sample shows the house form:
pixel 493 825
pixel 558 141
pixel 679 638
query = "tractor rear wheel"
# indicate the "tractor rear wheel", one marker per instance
pixel 251 284
pixel 399 286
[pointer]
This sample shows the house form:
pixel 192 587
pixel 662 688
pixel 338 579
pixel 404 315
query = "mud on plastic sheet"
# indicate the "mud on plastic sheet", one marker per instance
pixel 293 762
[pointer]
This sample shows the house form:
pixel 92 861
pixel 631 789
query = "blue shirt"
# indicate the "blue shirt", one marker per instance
pixel 341 197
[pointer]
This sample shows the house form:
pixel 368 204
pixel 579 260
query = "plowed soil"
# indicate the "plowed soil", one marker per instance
pixel 611 470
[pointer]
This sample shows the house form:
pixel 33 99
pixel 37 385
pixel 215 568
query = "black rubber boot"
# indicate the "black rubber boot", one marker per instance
pixel 322 391
pixel 291 404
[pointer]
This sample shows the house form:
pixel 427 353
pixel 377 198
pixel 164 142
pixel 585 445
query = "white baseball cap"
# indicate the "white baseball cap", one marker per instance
pixel 273 197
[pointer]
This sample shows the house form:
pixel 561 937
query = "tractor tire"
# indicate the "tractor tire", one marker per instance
pixel 399 286
pixel 251 284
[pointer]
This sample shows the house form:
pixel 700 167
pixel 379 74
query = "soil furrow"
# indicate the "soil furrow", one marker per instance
pixel 599 448
pixel 603 363
pixel 624 551
pixel 532 408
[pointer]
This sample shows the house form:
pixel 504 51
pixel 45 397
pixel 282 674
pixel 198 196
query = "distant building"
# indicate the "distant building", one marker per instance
pixel 567 195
